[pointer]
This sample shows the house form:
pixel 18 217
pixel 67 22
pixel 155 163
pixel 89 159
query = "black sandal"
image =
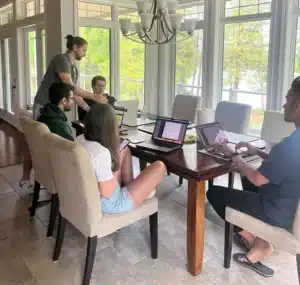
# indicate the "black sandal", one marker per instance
pixel 257 267
pixel 241 242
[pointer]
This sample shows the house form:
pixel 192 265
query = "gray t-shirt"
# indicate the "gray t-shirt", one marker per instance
pixel 281 195
pixel 60 63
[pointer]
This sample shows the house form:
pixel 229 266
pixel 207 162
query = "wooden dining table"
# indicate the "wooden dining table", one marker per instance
pixel 196 168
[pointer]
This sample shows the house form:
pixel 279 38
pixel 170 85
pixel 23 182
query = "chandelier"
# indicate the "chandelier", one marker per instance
pixel 159 23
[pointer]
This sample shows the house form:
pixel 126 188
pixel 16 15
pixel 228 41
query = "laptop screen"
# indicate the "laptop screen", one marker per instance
pixel 170 130
pixel 211 134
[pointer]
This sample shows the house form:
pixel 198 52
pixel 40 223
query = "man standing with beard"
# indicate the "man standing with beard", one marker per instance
pixel 62 68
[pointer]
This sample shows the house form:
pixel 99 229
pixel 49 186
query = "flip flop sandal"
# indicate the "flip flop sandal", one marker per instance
pixel 241 242
pixel 257 267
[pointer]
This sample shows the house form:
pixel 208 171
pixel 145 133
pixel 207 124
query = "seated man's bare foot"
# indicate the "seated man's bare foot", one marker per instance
pixel 248 239
pixel 260 250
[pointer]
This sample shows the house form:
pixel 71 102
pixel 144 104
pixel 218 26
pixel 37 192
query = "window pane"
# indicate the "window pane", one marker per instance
pixel 194 12
pixel 8 81
pixel 30 9
pixel 132 68
pixel 246 7
pixel 97 60
pixel 246 48
pixel 1 86
pixel 189 64
pixel 44 51
pixel 94 10
pixel 32 64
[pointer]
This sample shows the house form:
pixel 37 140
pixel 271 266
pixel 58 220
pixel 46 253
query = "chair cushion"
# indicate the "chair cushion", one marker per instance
pixel 274 127
pixel 113 222
pixel 280 238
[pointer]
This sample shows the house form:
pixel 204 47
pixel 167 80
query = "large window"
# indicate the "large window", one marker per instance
pixel 189 64
pixel 297 50
pixel 132 58
pixel 7 76
pixel 32 64
pixel 245 61
pixel 35 60
pixel 97 60
pixel 188 74
pixel 132 63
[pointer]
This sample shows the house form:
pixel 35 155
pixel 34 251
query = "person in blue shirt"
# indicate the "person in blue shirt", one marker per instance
pixel 272 191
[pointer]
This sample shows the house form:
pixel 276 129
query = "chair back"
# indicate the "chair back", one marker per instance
pixel 76 184
pixel 185 107
pixel 234 117
pixel 35 133
pixel 274 127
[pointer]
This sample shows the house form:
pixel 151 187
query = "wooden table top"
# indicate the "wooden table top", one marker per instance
pixel 186 162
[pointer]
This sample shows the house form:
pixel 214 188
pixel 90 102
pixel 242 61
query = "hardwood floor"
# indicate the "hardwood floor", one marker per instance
pixel 12 145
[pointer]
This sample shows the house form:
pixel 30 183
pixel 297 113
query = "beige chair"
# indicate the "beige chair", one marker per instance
pixel 234 117
pixel 35 136
pixel 79 199
pixel 281 239
pixel 185 107
pixel 274 127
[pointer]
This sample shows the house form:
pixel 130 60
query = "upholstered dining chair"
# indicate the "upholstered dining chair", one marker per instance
pixel 35 136
pixel 80 205
pixel 185 107
pixel 234 117
pixel 274 127
pixel 280 238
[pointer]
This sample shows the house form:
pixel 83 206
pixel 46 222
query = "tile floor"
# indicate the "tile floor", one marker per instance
pixel 124 257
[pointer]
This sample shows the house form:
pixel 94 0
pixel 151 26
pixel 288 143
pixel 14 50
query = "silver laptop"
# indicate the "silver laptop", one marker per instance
pixel 168 135
pixel 130 117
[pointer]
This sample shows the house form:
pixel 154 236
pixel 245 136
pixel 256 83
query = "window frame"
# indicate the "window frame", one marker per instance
pixel 114 43
pixel 200 25
pixel 38 28
pixel 244 19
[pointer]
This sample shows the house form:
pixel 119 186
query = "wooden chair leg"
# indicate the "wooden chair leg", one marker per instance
pixel 53 214
pixel 298 266
pixel 228 244
pixel 153 220
pixel 36 196
pixel 89 261
pixel 180 180
pixel 60 237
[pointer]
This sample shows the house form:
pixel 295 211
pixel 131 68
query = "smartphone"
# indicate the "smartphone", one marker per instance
pixel 124 143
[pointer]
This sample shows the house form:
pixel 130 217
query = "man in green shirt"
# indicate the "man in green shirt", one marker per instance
pixel 53 113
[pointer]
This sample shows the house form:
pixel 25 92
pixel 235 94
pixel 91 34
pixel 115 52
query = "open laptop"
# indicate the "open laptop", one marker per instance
pixel 120 118
pixel 130 117
pixel 168 135
pixel 213 134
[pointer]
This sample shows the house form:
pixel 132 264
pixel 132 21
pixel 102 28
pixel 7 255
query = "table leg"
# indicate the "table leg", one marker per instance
pixel 195 225
pixel 143 164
